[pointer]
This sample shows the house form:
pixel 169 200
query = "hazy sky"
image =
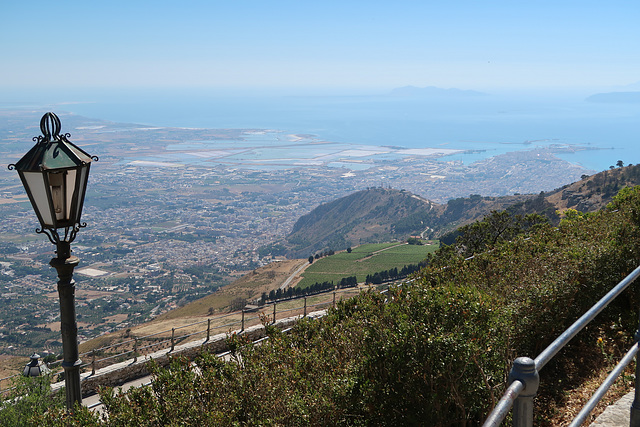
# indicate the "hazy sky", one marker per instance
pixel 322 44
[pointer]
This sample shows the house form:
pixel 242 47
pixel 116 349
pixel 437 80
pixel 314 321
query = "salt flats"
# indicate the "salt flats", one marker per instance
pixel 274 149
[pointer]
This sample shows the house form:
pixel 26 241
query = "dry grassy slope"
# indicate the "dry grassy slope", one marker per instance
pixel 247 287
pixel 590 194
pixel 11 365
pixel 596 191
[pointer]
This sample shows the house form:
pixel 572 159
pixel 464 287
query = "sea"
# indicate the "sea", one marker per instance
pixel 593 135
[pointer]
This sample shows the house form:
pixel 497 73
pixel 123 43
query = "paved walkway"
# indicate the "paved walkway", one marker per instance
pixel 294 275
pixel 93 401
pixel 616 415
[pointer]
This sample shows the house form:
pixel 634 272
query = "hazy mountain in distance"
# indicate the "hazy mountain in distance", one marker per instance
pixel 616 97
pixel 434 92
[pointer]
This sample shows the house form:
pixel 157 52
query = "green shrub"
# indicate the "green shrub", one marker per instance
pixel 31 398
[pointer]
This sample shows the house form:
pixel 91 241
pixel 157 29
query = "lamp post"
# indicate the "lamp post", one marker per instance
pixel 54 174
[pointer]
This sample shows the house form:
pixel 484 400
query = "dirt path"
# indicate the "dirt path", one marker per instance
pixel 381 250
pixel 296 273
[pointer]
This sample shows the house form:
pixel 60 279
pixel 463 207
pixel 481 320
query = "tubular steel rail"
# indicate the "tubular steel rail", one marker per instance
pixel 140 346
pixel 524 376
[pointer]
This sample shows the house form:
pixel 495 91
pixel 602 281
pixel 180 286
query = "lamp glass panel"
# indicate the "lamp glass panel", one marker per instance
pixel 32 371
pixel 37 188
pixel 70 177
pixel 81 186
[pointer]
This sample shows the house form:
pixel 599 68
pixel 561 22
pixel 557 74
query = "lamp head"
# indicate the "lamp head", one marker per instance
pixel 55 174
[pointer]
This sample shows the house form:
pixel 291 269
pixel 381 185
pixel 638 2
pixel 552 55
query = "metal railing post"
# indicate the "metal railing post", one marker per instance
pixel 208 330
pixel 524 370
pixel 135 349
pixel 173 339
pixel 334 299
pixel 634 420
pixel 305 307
pixel 242 328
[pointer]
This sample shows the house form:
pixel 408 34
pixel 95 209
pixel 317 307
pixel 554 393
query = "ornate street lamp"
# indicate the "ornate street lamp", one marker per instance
pixel 54 174
pixel 35 368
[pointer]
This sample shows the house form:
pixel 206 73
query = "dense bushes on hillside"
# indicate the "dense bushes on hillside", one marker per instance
pixel 28 398
pixel 435 351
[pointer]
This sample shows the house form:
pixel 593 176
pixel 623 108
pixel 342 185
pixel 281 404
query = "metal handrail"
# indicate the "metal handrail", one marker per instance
pixel 604 387
pixel 577 326
pixel 523 404
pixel 504 405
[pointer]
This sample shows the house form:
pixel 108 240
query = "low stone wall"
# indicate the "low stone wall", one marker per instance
pixel 120 373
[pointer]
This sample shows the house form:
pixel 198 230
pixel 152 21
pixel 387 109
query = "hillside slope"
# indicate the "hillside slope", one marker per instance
pixel 367 216
pixel 229 297
pixel 590 194
pixel 379 214
pixel 433 351
pixel 361 215
pixel 594 192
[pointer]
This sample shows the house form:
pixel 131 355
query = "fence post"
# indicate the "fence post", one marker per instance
pixel 634 420
pixel 305 307
pixel 274 312
pixel 242 328
pixel 524 370
pixel 334 299
pixel 135 349
pixel 173 339
pixel 93 361
pixel 208 330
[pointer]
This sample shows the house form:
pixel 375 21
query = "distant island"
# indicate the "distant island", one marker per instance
pixel 434 92
pixel 615 97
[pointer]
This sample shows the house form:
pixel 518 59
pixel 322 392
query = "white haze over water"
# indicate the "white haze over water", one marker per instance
pixel 489 125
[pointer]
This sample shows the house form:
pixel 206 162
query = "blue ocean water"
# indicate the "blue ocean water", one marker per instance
pixel 595 135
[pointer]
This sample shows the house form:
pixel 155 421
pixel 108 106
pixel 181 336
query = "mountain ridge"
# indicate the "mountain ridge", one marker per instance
pixel 379 214
pixel 628 97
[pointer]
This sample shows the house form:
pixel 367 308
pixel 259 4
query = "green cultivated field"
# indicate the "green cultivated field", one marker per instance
pixel 364 260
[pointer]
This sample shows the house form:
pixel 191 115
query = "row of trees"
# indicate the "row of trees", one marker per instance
pixel 319 255
pixel 316 288
pixel 393 274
